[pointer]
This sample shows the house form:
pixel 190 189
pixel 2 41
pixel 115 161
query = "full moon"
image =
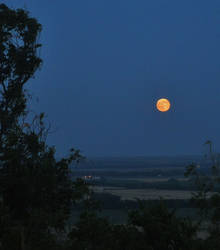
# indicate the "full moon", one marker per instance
pixel 163 105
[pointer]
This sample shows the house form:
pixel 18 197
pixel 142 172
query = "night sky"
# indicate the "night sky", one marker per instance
pixel 107 62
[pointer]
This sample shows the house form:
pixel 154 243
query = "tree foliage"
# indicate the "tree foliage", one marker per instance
pixel 207 198
pixel 36 190
pixel 18 62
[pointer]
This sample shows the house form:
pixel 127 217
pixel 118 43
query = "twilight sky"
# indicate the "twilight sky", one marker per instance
pixel 107 62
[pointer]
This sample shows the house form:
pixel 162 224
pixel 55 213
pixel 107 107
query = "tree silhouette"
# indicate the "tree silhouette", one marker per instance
pixel 36 190
pixel 207 196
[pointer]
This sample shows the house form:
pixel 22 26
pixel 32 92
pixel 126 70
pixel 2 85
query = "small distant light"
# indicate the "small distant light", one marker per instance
pixel 26 125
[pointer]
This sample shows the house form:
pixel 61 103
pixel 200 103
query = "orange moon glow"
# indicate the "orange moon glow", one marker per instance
pixel 163 105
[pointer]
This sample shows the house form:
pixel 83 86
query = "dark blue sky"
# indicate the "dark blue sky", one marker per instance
pixel 107 62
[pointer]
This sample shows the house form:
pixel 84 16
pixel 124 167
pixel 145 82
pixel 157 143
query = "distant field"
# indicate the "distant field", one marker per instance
pixel 145 178
pixel 124 169
pixel 153 179
pixel 145 194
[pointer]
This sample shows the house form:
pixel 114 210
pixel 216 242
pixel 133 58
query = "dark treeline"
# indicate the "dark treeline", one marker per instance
pixel 170 184
pixel 142 162
pixel 137 173
pixel 110 201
